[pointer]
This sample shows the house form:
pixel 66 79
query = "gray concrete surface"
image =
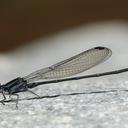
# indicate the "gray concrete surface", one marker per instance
pixel 90 103
pixel 101 106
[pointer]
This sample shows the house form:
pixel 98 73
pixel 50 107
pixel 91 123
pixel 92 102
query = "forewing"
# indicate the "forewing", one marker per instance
pixel 73 65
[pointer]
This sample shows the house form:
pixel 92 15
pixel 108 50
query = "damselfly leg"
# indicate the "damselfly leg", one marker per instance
pixel 4 97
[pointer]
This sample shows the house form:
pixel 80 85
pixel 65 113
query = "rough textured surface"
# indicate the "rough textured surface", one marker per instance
pixel 98 107
pixel 91 103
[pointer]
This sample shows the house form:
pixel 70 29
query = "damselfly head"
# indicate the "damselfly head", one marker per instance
pixel 0 88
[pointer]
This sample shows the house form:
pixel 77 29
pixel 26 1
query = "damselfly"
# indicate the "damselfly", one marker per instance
pixel 59 72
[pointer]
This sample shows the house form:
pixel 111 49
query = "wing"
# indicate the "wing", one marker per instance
pixel 72 66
